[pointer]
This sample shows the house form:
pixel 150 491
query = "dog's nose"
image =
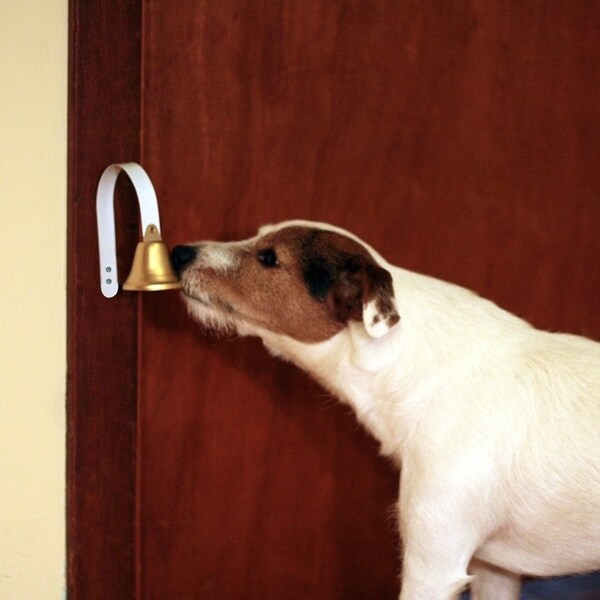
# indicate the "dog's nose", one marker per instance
pixel 182 256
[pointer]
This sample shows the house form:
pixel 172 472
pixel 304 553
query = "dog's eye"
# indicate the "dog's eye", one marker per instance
pixel 267 257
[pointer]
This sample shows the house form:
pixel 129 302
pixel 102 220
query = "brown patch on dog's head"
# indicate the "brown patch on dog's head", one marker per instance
pixel 304 282
pixel 341 273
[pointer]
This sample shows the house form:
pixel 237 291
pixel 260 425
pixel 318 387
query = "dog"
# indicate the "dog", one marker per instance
pixel 495 425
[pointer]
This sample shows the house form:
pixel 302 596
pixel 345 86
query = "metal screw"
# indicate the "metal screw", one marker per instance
pixel 108 281
pixel 108 269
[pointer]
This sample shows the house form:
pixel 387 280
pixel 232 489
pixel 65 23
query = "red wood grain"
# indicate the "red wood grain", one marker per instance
pixel 460 139
pixel 456 138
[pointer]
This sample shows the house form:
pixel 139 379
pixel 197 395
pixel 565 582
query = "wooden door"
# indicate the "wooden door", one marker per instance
pixel 460 139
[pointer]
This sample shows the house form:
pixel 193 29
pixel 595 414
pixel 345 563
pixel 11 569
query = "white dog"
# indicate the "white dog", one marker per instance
pixel 496 425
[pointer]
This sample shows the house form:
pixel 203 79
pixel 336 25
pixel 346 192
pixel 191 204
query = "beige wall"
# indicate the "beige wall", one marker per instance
pixel 33 124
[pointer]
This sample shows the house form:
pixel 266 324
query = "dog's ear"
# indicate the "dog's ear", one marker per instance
pixel 363 291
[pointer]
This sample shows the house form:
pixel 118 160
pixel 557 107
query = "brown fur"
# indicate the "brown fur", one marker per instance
pixel 321 281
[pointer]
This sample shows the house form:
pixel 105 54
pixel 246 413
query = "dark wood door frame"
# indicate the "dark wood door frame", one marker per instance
pixel 104 127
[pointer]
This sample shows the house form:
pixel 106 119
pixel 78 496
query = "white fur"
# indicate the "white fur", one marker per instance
pixel 222 257
pixel 496 426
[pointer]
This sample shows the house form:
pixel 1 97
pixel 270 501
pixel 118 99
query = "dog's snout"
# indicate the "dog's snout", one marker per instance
pixel 182 256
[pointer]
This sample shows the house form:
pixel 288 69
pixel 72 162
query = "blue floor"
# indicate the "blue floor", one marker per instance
pixel 580 587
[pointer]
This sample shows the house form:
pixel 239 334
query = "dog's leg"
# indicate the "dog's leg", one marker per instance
pixel 439 534
pixel 490 583
pixel 435 559
pixel 436 578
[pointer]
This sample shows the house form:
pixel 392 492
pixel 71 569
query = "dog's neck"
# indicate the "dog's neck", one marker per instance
pixel 389 381
pixel 379 378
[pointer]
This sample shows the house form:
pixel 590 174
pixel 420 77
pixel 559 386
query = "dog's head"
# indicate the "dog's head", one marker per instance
pixel 300 279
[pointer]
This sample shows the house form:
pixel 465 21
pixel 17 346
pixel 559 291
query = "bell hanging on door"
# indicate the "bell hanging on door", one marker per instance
pixel 152 269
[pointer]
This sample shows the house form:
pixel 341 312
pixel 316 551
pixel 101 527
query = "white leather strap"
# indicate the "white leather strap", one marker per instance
pixel 105 214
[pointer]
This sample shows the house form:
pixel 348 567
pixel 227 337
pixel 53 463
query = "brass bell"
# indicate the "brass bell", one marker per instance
pixel 152 269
